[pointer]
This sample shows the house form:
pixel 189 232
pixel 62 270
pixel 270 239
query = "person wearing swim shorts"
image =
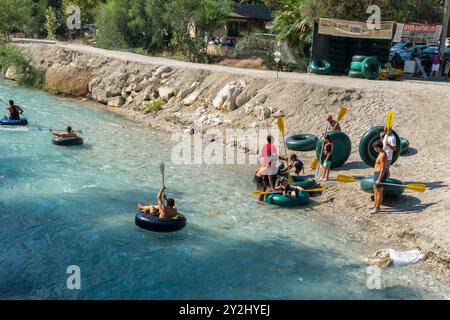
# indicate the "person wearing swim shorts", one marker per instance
pixel 327 154
pixel 389 146
pixel 379 176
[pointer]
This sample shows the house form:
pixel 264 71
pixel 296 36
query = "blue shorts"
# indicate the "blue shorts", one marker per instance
pixel 376 175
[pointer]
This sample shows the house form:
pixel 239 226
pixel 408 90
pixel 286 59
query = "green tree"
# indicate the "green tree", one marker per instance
pixel 52 23
pixel 14 16
pixel 111 24
pixel 291 24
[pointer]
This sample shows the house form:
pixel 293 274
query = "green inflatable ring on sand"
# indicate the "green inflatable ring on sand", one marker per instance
pixel 367 185
pixel 371 68
pixel 301 142
pixel 358 58
pixel 341 151
pixel 301 181
pixel 366 151
pixel 405 146
pixel 355 66
pixel 286 201
pixel 320 67
pixel 355 74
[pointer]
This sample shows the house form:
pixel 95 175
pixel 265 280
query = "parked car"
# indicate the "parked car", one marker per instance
pixel 399 46
pixel 447 42
pixel 406 54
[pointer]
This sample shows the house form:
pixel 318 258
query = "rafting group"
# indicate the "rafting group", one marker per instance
pixel 14 118
pixel 284 185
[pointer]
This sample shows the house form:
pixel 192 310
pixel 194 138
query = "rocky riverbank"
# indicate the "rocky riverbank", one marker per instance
pixel 172 95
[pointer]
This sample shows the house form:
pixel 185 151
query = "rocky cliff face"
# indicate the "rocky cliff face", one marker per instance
pixel 171 98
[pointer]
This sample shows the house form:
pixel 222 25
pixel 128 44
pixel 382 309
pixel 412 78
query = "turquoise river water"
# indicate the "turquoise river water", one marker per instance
pixel 75 206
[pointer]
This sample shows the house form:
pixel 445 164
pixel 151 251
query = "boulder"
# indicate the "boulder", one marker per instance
pixel 245 97
pixel 99 94
pixel 226 98
pixel 160 71
pixel 124 93
pixel 183 93
pixel 11 73
pixel 190 99
pixel 137 87
pixel 116 102
pixel 166 92
pixel 262 112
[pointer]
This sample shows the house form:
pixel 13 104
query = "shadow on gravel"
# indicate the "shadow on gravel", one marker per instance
pixel 405 204
pixel 411 152
pixel 352 166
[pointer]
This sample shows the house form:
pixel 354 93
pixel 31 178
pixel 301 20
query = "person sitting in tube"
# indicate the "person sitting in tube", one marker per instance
pixel 288 190
pixel 14 111
pixel 69 133
pixel 165 208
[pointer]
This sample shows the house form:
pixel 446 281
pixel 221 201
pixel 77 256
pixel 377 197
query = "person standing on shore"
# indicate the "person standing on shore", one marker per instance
pixel 389 146
pixel 333 124
pixel 270 157
pixel 436 64
pixel 379 176
pixel 327 153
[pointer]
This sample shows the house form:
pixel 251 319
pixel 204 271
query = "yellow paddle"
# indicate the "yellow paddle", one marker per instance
pixel 341 115
pixel 282 126
pixel 390 119
pixel 413 186
pixel 257 193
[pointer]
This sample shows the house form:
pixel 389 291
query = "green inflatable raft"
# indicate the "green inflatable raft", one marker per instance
pixel 286 201
pixel 302 142
pixel 405 146
pixel 320 67
pixel 367 152
pixel 300 181
pixel 367 185
pixel 342 148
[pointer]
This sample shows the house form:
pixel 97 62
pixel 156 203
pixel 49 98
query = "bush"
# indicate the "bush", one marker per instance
pixel 27 74
pixel 154 106
pixel 256 45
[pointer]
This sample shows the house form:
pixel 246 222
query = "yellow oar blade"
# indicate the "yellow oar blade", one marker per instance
pixel 290 179
pixel 390 119
pixel 315 190
pixel 314 164
pixel 281 125
pixel 342 113
pixel 346 179
pixel 416 187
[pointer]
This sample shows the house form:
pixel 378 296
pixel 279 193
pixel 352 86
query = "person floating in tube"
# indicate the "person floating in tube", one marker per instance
pixel 288 190
pixel 165 208
pixel 14 111
pixel 69 133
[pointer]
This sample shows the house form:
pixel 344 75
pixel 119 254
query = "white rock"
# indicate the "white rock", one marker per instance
pixel 249 108
pixel 190 99
pixel 137 87
pixel 185 92
pixel 166 92
pixel 160 71
pixel 115 102
pixel 226 98
pixel 11 73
